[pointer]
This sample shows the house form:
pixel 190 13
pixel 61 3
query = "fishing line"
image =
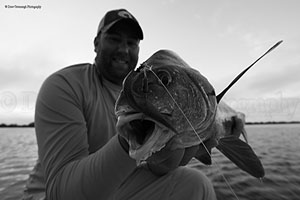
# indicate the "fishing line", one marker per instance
pixel 145 87
pixel 194 130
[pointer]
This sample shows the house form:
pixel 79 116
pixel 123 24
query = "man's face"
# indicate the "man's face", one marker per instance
pixel 117 52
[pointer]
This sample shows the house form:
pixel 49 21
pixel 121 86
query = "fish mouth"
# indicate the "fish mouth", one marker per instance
pixel 144 135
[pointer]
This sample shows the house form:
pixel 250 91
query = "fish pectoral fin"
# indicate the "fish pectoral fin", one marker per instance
pixel 204 152
pixel 205 158
pixel 241 154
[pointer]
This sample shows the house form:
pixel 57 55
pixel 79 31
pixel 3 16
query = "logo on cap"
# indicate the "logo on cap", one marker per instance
pixel 125 14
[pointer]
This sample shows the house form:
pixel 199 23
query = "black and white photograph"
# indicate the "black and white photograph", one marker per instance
pixel 150 100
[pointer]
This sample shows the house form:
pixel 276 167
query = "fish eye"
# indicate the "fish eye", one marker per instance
pixel 164 77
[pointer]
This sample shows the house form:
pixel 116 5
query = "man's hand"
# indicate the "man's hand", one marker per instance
pixel 167 160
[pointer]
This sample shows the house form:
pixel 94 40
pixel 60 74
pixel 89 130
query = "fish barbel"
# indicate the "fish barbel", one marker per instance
pixel 167 99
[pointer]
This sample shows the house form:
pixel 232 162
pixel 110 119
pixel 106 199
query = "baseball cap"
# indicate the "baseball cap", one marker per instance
pixel 114 16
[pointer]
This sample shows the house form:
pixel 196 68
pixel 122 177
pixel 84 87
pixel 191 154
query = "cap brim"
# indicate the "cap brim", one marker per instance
pixel 131 22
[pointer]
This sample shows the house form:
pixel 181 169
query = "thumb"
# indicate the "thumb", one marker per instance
pixel 161 163
pixel 189 154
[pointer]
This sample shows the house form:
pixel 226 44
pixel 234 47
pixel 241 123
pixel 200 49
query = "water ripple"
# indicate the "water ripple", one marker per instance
pixel 277 146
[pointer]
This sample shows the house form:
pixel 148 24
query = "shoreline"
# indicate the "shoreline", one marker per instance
pixel 273 122
pixel 31 125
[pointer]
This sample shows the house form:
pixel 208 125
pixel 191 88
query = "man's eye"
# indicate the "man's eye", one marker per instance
pixel 133 43
pixel 114 39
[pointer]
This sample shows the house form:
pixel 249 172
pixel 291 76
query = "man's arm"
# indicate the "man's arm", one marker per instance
pixel 71 173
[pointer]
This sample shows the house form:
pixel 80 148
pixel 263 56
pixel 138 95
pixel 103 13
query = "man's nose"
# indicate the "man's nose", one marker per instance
pixel 123 47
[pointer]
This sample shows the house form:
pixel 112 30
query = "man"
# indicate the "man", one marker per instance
pixel 80 155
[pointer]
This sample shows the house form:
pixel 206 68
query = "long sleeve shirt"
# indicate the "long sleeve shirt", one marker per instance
pixel 79 151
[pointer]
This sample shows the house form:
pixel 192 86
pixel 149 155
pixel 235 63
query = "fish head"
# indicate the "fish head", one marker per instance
pixel 164 99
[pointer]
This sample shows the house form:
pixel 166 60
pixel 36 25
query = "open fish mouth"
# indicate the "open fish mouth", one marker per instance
pixel 144 135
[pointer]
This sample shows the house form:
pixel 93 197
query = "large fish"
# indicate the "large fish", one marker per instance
pixel 166 99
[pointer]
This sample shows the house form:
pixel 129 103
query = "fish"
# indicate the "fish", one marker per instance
pixel 166 99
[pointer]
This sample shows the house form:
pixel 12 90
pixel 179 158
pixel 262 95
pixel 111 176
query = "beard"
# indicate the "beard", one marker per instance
pixel 114 67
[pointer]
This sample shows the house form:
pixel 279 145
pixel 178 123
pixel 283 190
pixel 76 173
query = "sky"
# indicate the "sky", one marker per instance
pixel 218 38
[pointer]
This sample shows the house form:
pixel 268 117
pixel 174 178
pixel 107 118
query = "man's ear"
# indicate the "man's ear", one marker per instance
pixel 96 43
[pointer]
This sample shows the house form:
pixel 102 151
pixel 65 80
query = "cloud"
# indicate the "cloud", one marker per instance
pixel 271 95
pixel 280 79
pixel 20 81
pixel 25 72
pixel 277 108
pixel 17 106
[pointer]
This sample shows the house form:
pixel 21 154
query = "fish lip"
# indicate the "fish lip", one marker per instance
pixel 123 112
pixel 152 142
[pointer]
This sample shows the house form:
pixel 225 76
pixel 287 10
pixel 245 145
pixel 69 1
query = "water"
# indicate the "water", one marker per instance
pixel 278 147
pixel 18 152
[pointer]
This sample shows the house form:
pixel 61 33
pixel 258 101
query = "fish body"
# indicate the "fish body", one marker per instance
pixel 166 99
